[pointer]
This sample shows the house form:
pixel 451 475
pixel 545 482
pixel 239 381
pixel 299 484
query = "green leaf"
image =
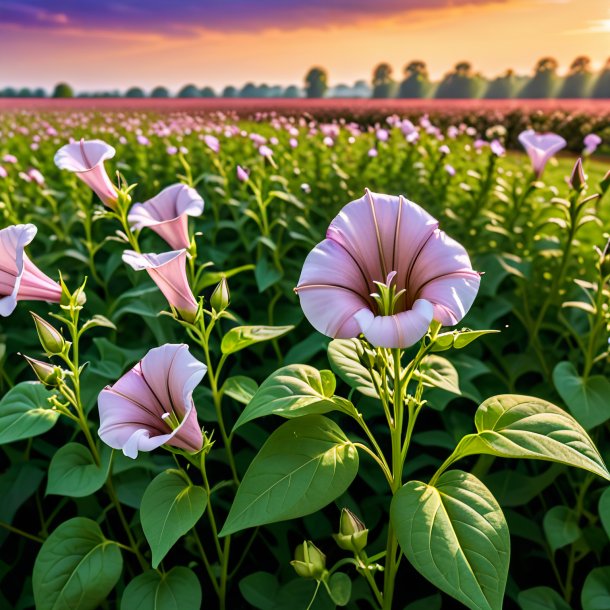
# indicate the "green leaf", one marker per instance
pixel 259 589
pixel 304 465
pixel 25 412
pixel 542 598
pixel 456 536
pixel 344 357
pixel 17 484
pixel 604 510
pixel 96 321
pixel 265 274
pixel 438 372
pixel 178 589
pixel 514 426
pixel 596 590
pixel 73 471
pixel 170 507
pixel 560 527
pixel 241 337
pixel 76 567
pixel 588 400
pixel 433 602
pixel 292 391
pixel 340 588
pixel 240 388
pixel 458 339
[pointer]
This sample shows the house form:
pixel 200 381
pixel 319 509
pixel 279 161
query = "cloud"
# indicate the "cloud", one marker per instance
pixel 190 16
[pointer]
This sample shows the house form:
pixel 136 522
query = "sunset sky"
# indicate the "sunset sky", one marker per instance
pixel 108 44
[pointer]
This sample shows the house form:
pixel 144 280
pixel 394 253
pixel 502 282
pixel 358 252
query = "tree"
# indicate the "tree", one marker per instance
pixel 601 89
pixel 461 83
pixel 502 87
pixel 249 90
pixel 316 82
pixel 544 82
pixel 39 92
pixel 135 92
pixel 416 83
pixel 207 92
pixel 578 80
pixel 63 90
pixel 188 91
pixel 159 92
pixel 229 91
pixel 291 91
pixel 383 83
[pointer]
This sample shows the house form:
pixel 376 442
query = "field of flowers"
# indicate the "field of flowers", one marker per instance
pixel 280 362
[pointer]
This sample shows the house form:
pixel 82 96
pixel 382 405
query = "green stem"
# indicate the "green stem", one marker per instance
pixel 16 530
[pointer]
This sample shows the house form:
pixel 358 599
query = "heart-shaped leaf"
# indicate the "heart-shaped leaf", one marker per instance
pixel 240 337
pixel 345 356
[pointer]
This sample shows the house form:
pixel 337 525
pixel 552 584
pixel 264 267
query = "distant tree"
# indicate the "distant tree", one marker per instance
pixel 276 91
pixel 263 90
pixel 39 92
pixel 601 89
pixel 416 83
pixel 342 91
pixel 461 83
pixel 383 83
pixel 291 91
pixel 159 92
pixel 316 82
pixel 249 90
pixel 229 91
pixel 544 82
pixel 135 92
pixel 24 92
pixel 501 88
pixel 578 80
pixel 361 89
pixel 63 90
pixel 207 92
pixel 188 91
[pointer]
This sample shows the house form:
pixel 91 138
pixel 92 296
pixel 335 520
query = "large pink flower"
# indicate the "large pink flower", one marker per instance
pixel 152 405
pixel 167 214
pixel 380 239
pixel 168 270
pixel 86 159
pixel 20 278
pixel 540 147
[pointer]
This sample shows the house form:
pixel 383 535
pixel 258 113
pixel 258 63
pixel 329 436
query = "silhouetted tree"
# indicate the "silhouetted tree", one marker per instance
pixel 39 92
pixel 63 90
pixel 461 83
pixel 316 82
pixel 544 81
pixel 291 91
pixel 502 87
pixel 361 89
pixel 135 92
pixel 249 90
pixel 383 83
pixel 601 89
pixel 207 92
pixel 229 91
pixel 578 80
pixel 159 92
pixel 416 83
pixel 188 91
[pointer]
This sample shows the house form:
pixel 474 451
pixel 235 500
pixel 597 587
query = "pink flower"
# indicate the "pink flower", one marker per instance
pixel 20 278
pixel 212 143
pixel 293 142
pixel 385 270
pixel 9 159
pixel 168 271
pixel 36 176
pixel 540 147
pixel 328 141
pixel 167 214
pixel 372 152
pixel 265 151
pixel 171 150
pixel 152 404
pixel 591 142
pixel 86 158
pixel 444 149
pixel 242 174
pixel 143 140
pixel 497 148
pixel 382 135
pixel 449 169
pixel 3 172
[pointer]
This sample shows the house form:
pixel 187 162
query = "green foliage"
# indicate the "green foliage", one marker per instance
pixel 240 337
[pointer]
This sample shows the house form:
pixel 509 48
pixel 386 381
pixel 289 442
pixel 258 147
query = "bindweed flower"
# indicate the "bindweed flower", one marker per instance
pixel 3 172
pixel 591 142
pixel 353 534
pixel 168 271
pixel 382 135
pixel 540 147
pixel 497 148
pixel 265 151
pixel 385 270
pixel 9 159
pixel 167 214
pixel 242 174
pixel 212 143
pixel 36 176
pixel 47 373
pixel 444 149
pixel 449 169
pixel 86 159
pixel 20 278
pixel 152 404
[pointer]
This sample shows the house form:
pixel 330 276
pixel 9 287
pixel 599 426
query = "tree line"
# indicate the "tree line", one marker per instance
pixel 462 82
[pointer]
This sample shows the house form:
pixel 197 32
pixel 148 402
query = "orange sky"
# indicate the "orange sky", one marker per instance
pixel 510 33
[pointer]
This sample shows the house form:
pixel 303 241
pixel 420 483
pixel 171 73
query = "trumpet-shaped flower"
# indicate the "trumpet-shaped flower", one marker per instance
pixel 540 147
pixel 20 278
pixel 167 214
pixel 152 404
pixel 168 271
pixel 591 142
pixel 385 270
pixel 86 159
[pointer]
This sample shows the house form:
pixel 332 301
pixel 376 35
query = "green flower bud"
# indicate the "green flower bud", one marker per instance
pixel 50 338
pixel 47 373
pixel 309 561
pixel 578 180
pixel 221 296
pixel 353 534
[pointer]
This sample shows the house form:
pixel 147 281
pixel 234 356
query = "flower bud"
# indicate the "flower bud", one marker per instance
pixel 221 297
pixel 47 373
pixel 309 561
pixel 353 534
pixel 578 180
pixel 50 338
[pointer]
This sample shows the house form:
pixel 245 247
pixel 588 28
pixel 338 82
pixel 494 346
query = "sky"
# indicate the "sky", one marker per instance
pixel 115 44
